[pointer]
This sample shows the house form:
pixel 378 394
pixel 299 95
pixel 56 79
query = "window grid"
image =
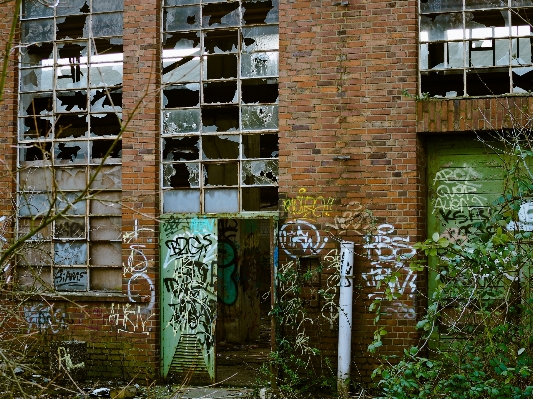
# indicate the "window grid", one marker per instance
pixel 219 116
pixel 70 98
pixel 475 47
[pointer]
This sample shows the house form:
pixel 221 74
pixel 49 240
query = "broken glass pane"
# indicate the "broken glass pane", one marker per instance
pixel 517 3
pixel 107 25
pixel 442 27
pixel 216 15
pixel 456 55
pixel 220 147
pixel 70 253
pixel 72 53
pixel 263 172
pixel 36 79
pixel 182 18
pixel 259 64
pixel 34 153
pixel 106 203
pixel 37 55
pixel 34 127
pixel 221 200
pixel 181 175
pixel 72 76
pixel 71 101
pixel 260 199
pixel 70 7
pixel 181 96
pixel 71 152
pixel 442 84
pixel 260 38
pixel 72 27
pixel 102 148
pixel 71 178
pixel 181 149
pixel 107 5
pixel 220 66
pixel 108 74
pixel 40 30
pixel 482 53
pixel 260 12
pixel 106 50
pixel 70 279
pixel 36 9
pixel 220 119
pixel 186 69
pixel 31 204
pixel 220 174
pixel 35 179
pixel 471 4
pixel 482 82
pixel 106 254
pixel 440 5
pixel 181 201
pixel 221 41
pixel 69 228
pixel 181 121
pixel 220 92
pixel 523 80
pixel 106 100
pixel 181 44
pixel 105 279
pixel 27 225
pixel 424 54
pixel 105 124
pixel 77 206
pixel 521 55
pixel 105 229
pixel 108 178
pixel 260 117
pixel 71 125
pixel 260 145
pixel 487 24
pixel 256 91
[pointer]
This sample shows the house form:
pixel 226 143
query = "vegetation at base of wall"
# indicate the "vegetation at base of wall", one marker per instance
pixel 477 334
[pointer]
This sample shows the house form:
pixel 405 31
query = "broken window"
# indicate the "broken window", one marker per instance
pixel 70 103
pixel 468 49
pixel 220 116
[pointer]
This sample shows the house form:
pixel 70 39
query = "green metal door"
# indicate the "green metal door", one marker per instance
pixel 189 297
pixel 465 177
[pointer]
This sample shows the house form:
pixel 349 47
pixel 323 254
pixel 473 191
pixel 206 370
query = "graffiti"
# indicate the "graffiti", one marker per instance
pixel 525 218
pixel 189 246
pixel 172 225
pixel 193 305
pixel 68 229
pixel 70 279
pixel 386 254
pixel 43 317
pixel 130 318
pixel 308 207
pixel 330 309
pixel 300 238
pixel 65 362
pixel 455 191
pixel 136 268
pixel 355 219
pixel 2 231
pixel 228 259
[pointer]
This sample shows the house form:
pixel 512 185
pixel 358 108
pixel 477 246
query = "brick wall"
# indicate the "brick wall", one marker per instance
pixel 342 73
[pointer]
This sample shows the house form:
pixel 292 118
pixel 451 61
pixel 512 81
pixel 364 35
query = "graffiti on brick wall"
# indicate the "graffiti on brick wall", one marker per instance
pixel 307 206
pixel 130 318
pixel 65 362
pixel 134 318
pixel 387 254
pixel 301 238
pixel 455 189
pixel 353 218
pixel 43 317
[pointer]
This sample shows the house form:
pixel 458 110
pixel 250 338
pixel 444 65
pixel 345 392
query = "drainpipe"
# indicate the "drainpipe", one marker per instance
pixel 345 318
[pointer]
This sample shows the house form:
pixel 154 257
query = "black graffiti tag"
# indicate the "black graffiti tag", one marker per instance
pixel 189 246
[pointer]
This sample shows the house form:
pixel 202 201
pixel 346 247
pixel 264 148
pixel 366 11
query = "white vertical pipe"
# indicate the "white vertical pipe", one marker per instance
pixel 345 316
